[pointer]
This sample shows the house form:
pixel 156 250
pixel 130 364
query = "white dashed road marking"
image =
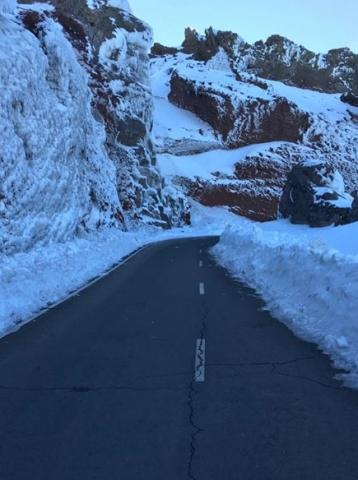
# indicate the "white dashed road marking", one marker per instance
pixel 202 288
pixel 200 360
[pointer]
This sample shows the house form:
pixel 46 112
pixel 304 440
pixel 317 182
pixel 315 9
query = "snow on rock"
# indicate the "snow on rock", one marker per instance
pixel 113 46
pixel 176 130
pixel 242 113
pixel 305 280
pixel 248 180
pixel 55 176
pixel 278 58
pixel 207 81
pixel 315 194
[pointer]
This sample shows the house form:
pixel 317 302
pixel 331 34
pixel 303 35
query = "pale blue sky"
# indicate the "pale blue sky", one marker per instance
pixel 318 24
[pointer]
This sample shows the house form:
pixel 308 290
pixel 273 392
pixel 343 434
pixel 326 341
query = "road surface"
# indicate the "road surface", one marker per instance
pixel 167 369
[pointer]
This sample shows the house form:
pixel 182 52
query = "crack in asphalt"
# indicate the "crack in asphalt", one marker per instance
pixel 308 379
pixel 275 366
pixel 263 364
pixel 197 430
pixel 88 389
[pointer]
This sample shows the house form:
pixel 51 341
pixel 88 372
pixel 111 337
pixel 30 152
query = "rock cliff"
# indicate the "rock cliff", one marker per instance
pixel 240 95
pixel 76 118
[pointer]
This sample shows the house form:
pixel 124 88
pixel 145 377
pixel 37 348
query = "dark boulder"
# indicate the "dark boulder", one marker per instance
pixel 159 50
pixel 350 99
pixel 315 195
pixel 203 48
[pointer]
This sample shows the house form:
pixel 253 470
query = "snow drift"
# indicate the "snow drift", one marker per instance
pixel 312 288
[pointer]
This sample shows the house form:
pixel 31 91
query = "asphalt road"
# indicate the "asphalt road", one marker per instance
pixel 167 369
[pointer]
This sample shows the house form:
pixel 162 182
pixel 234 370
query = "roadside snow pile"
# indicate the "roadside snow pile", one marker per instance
pixel 307 284
pixel 31 282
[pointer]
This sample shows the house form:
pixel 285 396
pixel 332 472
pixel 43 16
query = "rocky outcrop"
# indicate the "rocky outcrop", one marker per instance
pixel 281 59
pixel 229 86
pixel 240 121
pixel 254 187
pixel 113 46
pixel 159 50
pixel 350 99
pixel 278 58
pixel 315 195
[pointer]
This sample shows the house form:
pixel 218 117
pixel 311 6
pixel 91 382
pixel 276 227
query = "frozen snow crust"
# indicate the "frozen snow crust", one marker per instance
pixel 310 286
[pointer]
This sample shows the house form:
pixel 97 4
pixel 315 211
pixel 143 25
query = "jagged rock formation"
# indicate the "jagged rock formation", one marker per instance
pixel 114 45
pixel 56 179
pixel 233 89
pixel 75 120
pixel 350 99
pixel 278 58
pixel 159 50
pixel 315 195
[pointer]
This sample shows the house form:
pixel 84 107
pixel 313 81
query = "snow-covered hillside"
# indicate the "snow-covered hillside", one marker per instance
pixel 214 106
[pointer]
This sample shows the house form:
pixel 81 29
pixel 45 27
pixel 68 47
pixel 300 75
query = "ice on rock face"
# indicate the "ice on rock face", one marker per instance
pixel 55 176
pixel 113 52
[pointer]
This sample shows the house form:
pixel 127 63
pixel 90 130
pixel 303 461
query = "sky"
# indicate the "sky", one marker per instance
pixel 317 24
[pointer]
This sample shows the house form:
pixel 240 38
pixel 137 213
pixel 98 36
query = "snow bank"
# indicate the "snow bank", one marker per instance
pixel 312 288
pixel 32 281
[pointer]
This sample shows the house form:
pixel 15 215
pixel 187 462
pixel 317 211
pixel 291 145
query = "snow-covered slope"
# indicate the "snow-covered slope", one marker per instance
pixel 174 129
pixel 240 109
pixel 307 277
pixel 55 176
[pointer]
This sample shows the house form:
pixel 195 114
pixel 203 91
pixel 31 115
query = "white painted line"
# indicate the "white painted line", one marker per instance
pixel 202 288
pixel 200 360
pixel 201 264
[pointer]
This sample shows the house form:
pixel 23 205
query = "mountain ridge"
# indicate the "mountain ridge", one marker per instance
pixel 277 58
